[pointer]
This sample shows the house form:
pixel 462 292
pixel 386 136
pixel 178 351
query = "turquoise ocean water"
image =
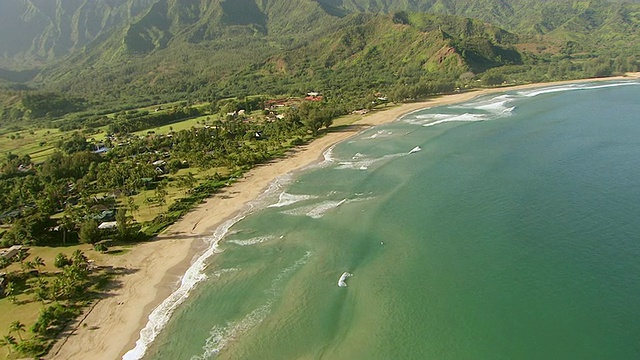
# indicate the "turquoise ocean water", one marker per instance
pixel 503 228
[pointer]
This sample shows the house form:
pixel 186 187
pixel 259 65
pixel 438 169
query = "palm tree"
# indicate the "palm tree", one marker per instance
pixel 79 258
pixel 40 289
pixel 11 290
pixel 17 327
pixel 9 341
pixel 27 266
pixel 38 262
pixel 22 255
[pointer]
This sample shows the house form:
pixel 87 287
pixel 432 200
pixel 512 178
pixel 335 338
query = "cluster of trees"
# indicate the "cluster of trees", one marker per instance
pixel 134 121
pixel 67 183
pixel 41 104
pixel 59 293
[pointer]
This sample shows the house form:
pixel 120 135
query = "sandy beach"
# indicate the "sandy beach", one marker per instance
pixel 153 269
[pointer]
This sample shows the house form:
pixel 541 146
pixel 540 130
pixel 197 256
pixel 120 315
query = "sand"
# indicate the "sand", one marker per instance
pixel 153 269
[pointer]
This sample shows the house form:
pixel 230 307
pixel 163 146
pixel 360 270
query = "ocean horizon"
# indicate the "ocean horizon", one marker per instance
pixel 503 227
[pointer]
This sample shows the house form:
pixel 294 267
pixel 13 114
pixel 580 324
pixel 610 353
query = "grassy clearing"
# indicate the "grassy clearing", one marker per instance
pixel 147 212
pixel 37 143
pixel 26 310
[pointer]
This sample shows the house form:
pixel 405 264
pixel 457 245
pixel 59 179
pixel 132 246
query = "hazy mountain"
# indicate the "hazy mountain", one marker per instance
pixel 33 32
pixel 134 48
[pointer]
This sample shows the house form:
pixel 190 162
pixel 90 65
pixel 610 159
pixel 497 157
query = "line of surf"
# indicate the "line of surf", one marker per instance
pixel 195 274
pixel 160 316
pixel 498 104
pixel 574 87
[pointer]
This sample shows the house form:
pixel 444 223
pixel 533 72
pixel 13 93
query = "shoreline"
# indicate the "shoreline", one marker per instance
pixel 155 268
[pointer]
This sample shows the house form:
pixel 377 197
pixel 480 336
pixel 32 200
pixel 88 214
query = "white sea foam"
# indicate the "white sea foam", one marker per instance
pixel 328 159
pixel 319 211
pixel 493 105
pixel 315 211
pixel 219 337
pixel 342 281
pixel 221 272
pixel 196 273
pixel 483 109
pixel 288 199
pixel 380 134
pixel 363 163
pixel 161 314
pixel 572 87
pixel 252 241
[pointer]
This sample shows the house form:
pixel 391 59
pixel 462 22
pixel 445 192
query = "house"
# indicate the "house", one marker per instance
pixel 100 149
pixel 10 252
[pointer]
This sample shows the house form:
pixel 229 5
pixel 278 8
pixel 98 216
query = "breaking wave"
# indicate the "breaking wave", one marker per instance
pixel 219 336
pixel 315 211
pixel 380 134
pixel 361 162
pixel 572 87
pixel 160 316
pixel 252 241
pixel 288 199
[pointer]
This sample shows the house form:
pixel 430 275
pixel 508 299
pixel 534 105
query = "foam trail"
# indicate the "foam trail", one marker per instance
pixel 328 159
pixel 315 211
pixel 160 316
pixel 493 105
pixel 252 241
pixel 571 87
pixel 220 337
pixel 466 117
pixel 321 209
pixel 380 133
pixel 221 272
pixel 288 199
pixel 363 163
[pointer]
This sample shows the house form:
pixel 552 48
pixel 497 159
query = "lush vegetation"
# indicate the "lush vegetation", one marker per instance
pixel 132 122
pixel 58 294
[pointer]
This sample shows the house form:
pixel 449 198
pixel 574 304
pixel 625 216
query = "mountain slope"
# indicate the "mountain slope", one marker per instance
pixel 152 50
pixel 38 31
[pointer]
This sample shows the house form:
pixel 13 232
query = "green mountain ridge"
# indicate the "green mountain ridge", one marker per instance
pixel 35 32
pixel 146 49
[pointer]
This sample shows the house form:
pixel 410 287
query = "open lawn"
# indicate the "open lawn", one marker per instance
pixel 148 211
pixel 37 143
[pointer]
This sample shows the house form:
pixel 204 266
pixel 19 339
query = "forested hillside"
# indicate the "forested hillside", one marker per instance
pixel 34 32
pixel 126 53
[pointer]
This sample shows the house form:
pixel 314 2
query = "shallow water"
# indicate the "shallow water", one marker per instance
pixel 501 228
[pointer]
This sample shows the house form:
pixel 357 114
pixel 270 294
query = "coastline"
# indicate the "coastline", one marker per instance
pixel 112 326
